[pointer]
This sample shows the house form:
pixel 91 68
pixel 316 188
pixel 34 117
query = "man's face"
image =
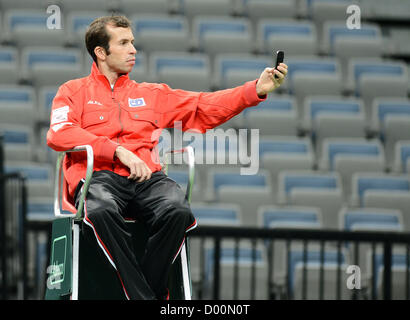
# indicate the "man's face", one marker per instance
pixel 122 51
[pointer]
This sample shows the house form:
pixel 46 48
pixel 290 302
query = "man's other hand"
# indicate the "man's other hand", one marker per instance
pixel 267 81
pixel 139 170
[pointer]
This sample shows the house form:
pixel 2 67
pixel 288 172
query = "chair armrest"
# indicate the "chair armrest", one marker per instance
pixel 58 182
pixel 191 165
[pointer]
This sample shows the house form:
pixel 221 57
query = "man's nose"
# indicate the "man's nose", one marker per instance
pixel 132 49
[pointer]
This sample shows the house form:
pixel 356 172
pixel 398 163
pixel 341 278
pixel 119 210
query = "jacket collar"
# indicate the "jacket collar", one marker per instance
pixel 98 76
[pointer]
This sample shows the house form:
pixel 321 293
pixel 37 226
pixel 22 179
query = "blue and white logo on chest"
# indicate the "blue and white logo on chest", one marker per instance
pixel 134 103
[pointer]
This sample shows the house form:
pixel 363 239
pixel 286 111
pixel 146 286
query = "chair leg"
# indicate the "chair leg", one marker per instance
pixel 185 273
pixel 76 247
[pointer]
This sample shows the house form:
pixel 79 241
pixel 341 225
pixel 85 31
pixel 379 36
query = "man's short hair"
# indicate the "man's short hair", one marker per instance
pixel 97 34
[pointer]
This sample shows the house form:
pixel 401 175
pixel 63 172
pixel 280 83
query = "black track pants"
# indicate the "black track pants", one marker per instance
pixel 158 202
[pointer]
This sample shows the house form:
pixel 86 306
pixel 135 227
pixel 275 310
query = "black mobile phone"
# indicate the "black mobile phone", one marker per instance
pixel 280 55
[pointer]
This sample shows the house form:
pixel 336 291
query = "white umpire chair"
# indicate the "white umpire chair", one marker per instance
pixel 72 271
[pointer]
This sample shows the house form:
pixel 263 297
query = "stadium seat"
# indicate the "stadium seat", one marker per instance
pixel 154 32
pixel 313 76
pixel 248 259
pixel 51 65
pixel 18 142
pixel 331 268
pixel 30 28
pixel 9 67
pixel 215 35
pixel 193 8
pixel 372 220
pixel 278 153
pixel 39 177
pixel 248 191
pixel 344 43
pixel 22 4
pixel 210 214
pixel 349 155
pixel 69 6
pixel 292 36
pixel 17 105
pixel 257 10
pixel 391 119
pixel 321 11
pixel 365 185
pixel 399 272
pixel 131 7
pixel 312 188
pixel 274 116
pixel 372 78
pixel 232 70
pixel 333 117
pixel 188 71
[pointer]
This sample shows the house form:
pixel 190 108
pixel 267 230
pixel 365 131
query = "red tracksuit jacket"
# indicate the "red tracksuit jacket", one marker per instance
pixel 89 111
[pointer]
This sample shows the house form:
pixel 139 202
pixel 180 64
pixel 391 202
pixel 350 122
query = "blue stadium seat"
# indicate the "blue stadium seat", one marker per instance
pixel 373 78
pixel 17 105
pixel 349 155
pixel 181 70
pixel 154 32
pixel 217 213
pixel 31 27
pixel 232 70
pixel 257 10
pixel 361 148
pixel 247 191
pixel 246 258
pixel 193 8
pixel 334 117
pixel 391 119
pixel 331 260
pixel 311 188
pixel 274 116
pixel 51 65
pixel 364 183
pixel 289 217
pixel 215 35
pixel 309 76
pixel 131 7
pixel 39 177
pixel 18 142
pixel 337 32
pixel 370 219
pixel 278 153
pixel 399 265
pixel 292 36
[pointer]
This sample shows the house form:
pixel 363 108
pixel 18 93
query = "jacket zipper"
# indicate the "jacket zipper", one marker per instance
pixel 119 118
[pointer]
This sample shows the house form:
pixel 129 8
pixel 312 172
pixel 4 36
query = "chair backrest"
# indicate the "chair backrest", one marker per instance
pixel 370 219
pixel 289 217
pixel 217 214
pixel 362 182
pixel 333 148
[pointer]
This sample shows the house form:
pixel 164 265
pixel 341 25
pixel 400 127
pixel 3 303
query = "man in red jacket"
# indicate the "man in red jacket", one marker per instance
pixel 118 117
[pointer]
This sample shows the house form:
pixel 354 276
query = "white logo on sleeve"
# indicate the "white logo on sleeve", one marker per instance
pixel 60 115
pixel 134 103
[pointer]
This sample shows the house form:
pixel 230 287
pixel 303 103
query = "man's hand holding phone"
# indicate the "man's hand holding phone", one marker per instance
pixel 272 78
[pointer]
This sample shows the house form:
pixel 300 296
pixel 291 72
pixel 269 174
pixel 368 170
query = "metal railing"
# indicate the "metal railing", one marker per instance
pixel 13 248
pixel 340 239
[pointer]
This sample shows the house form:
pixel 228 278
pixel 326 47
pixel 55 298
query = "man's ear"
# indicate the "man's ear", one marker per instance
pixel 100 53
